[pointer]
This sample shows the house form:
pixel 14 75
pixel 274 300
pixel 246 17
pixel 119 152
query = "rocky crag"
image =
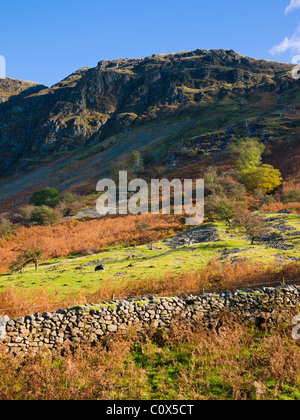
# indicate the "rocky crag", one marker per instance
pixel 70 133
pixel 94 103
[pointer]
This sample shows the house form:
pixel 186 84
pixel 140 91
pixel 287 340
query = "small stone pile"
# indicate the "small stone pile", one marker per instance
pixel 89 323
pixel 204 233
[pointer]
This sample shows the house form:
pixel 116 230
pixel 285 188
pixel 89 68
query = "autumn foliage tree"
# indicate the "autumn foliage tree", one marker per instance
pixel 248 153
pixel 255 176
pixel 265 178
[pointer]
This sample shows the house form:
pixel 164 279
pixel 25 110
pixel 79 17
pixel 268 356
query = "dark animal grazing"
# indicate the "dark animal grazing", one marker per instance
pixel 100 268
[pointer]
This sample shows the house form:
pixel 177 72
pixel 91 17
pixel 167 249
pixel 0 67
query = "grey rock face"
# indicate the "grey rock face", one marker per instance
pixel 95 103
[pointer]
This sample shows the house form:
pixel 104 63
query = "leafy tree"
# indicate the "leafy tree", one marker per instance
pixel 44 216
pixel 220 209
pixel 45 197
pixel 248 153
pixel 266 178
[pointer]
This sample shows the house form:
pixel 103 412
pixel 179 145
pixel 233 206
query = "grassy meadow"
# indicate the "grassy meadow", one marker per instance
pixel 156 268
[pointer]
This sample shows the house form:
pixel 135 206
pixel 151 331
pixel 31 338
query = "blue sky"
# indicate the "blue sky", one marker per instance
pixel 44 41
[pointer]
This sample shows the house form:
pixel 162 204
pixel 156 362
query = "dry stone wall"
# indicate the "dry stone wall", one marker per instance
pixel 89 323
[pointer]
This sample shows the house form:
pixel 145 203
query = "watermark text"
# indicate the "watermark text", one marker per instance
pixel 187 197
pixel 2 67
pixel 296 329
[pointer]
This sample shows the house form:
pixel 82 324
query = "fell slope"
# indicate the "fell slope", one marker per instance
pixel 68 135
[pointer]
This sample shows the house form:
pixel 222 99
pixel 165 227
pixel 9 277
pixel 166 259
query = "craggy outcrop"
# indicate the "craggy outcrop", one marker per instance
pixel 95 103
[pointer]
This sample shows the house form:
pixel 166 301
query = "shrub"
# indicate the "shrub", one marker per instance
pixel 291 197
pixel 68 210
pixel 69 205
pixel 23 216
pixel 263 198
pixel 45 197
pixel 44 216
pixel 133 164
pixel 135 161
pixel 6 227
pixel 188 152
pixel 211 177
pixel 71 198
pixel 276 207
pixel 232 188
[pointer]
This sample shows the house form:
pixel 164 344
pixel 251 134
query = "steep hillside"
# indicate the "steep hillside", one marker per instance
pixel 68 135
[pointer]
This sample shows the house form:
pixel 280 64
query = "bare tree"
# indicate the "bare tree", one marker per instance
pixel 251 224
pixel 30 255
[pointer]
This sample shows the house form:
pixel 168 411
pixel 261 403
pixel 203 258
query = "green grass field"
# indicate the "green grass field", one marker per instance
pixel 77 273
